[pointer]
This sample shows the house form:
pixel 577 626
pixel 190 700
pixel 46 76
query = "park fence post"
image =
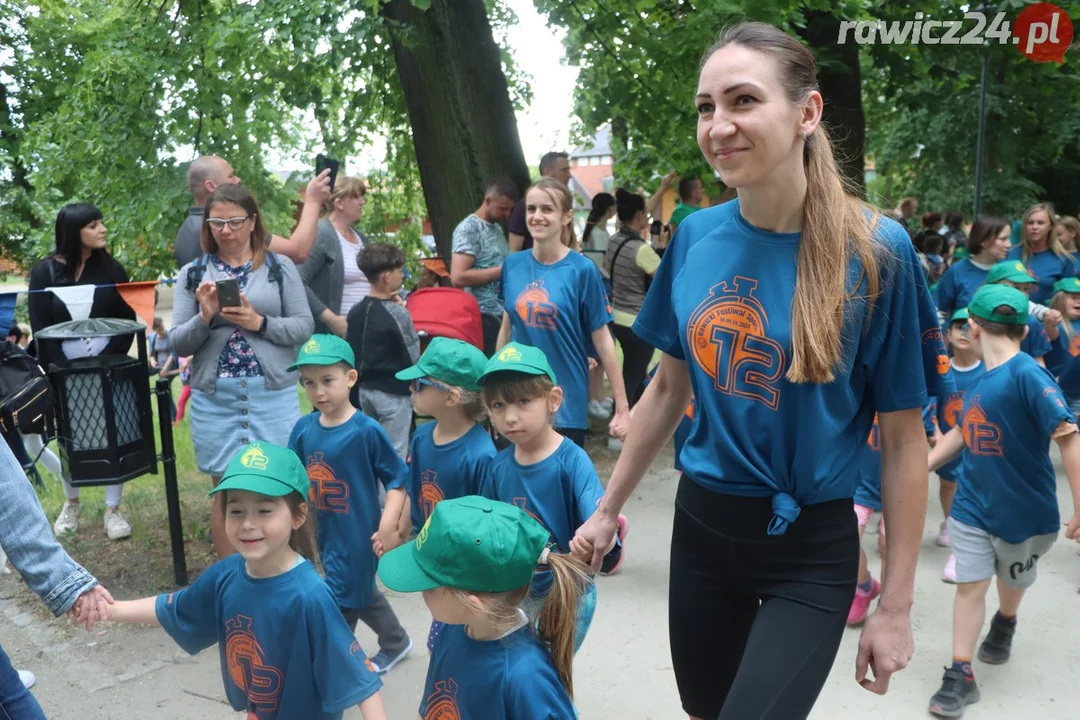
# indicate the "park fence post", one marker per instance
pixel 163 390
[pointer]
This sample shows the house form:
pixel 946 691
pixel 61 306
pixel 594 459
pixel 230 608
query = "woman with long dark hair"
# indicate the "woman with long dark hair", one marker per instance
pixel 788 315
pixel 81 258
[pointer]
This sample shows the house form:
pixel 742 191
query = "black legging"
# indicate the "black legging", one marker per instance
pixel 755 621
pixel 636 356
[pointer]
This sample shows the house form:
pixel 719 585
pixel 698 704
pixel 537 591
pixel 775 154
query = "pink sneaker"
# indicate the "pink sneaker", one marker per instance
pixel 943 537
pixel 860 606
pixel 949 573
pixel 624 530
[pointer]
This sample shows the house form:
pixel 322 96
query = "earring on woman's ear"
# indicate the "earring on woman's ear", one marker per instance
pixel 803 134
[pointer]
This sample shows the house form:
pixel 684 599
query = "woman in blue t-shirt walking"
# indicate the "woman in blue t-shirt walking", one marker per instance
pixel 791 315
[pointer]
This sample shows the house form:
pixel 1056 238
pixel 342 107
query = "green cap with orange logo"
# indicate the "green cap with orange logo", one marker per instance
pixel 469 543
pixel 515 357
pixel 267 469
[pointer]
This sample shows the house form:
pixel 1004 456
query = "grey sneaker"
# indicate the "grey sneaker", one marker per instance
pixel 383 662
pixel 116 527
pixel 68 521
pixel 957 692
pixel 997 647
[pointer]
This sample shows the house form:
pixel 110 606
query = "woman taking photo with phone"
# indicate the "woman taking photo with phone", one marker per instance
pixel 241 313
pixel 791 315
pixel 81 258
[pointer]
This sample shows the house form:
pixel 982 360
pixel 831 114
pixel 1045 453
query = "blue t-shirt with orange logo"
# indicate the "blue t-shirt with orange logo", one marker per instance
pixel 868 493
pixel 958 285
pixel 1047 268
pixel 1007 483
pixel 721 301
pixel 557 308
pixel 512 678
pixel 445 472
pixel 285 650
pixel 561 492
pixel 345 464
pixel 948 411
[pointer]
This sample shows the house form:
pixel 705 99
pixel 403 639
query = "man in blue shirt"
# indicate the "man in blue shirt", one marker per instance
pixel 1005 513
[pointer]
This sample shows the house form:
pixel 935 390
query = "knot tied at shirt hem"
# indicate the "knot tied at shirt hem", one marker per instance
pixel 785 512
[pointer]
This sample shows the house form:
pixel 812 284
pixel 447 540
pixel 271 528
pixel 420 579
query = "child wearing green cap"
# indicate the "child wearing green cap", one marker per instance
pixel 348 456
pixel 447 457
pixel 1036 343
pixel 473 561
pixel 544 473
pixel 1065 338
pixel 285 651
pixel 967 367
pixel 1005 514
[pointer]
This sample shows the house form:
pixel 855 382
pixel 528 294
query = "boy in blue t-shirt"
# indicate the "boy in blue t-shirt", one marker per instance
pixel 1013 274
pixel 447 457
pixel 543 473
pixel 347 455
pixel 1005 513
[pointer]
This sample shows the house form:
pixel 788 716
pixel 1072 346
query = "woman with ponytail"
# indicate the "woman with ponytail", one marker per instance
pixel 792 316
pixel 555 301
pixel 474 560
pixel 594 238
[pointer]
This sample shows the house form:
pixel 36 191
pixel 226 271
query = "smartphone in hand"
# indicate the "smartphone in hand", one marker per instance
pixel 322 163
pixel 228 293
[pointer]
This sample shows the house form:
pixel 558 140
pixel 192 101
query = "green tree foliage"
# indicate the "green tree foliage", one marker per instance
pixel 105 101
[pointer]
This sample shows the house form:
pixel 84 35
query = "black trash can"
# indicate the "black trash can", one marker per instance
pixel 104 426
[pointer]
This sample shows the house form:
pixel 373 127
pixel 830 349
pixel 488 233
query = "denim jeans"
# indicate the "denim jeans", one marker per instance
pixel 16 702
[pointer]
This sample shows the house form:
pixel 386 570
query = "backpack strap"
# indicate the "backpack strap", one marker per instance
pixel 195 273
pixel 277 275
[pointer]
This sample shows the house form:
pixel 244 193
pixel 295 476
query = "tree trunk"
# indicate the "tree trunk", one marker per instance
pixel 840 80
pixel 463 123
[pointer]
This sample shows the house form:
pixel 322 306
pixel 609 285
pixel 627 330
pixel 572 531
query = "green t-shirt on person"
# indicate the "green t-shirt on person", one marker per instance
pixel 682 212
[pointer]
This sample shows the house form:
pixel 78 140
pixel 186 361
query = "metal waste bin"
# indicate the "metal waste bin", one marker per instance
pixel 104 426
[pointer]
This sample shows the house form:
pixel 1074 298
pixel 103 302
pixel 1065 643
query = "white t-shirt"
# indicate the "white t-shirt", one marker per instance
pixel 356 286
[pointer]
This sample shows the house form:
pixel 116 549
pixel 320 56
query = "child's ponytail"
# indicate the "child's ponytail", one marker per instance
pixel 302 539
pixel 557 620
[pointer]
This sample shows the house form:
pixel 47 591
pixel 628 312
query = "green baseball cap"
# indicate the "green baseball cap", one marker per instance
pixel 990 297
pixel 454 362
pixel 324 349
pixel 267 469
pixel 1010 270
pixel 1069 285
pixel 961 314
pixel 515 357
pixel 469 543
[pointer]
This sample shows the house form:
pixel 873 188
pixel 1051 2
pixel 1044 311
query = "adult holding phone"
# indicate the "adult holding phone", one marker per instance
pixel 791 315
pixel 81 257
pixel 332 277
pixel 241 389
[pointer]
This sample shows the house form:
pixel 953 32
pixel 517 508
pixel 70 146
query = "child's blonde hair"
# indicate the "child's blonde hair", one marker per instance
pixel 512 386
pixel 555 621
pixel 1060 302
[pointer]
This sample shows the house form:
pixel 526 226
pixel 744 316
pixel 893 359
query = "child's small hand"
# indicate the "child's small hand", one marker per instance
pixel 582 549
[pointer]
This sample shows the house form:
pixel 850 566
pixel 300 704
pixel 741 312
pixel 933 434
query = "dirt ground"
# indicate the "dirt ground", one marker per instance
pixel 623 669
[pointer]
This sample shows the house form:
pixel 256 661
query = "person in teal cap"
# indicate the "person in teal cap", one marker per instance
pixel 1005 514
pixel 348 456
pixel 1013 273
pixel 473 561
pixel 943 415
pixel 284 648
pixel 447 457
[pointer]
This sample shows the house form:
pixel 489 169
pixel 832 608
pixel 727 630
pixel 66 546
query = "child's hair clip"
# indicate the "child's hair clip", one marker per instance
pixel 544 556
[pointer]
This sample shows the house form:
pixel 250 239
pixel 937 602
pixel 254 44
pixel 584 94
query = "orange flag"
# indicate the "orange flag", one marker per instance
pixel 140 297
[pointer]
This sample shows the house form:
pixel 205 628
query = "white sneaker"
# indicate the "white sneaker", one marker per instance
pixel 609 406
pixel 4 569
pixel 949 573
pixel 614 444
pixel 598 410
pixel 116 527
pixel 68 521
pixel 27 678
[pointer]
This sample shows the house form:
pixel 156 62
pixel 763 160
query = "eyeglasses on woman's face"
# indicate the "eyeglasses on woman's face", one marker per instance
pixel 234 223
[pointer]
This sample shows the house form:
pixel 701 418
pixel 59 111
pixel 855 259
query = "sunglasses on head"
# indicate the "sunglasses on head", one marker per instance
pixel 421 383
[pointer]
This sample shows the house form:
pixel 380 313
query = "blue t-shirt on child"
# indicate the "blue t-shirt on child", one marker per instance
pixel 556 308
pixel 285 649
pixel 512 678
pixel 868 493
pixel 1047 268
pixel 1065 365
pixel 445 472
pixel 721 301
pixel 1037 342
pixel 561 492
pixel 948 411
pixel 1007 483
pixel 345 464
